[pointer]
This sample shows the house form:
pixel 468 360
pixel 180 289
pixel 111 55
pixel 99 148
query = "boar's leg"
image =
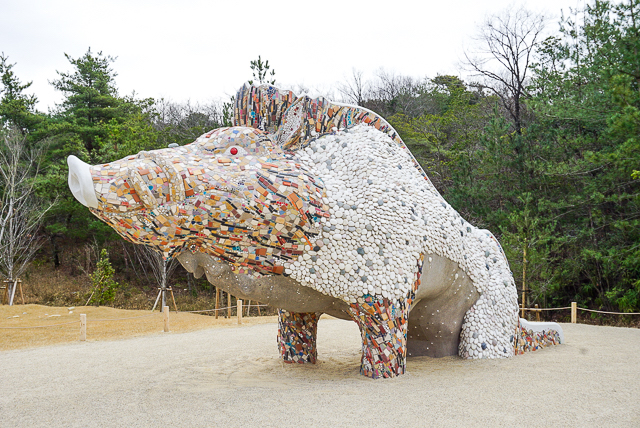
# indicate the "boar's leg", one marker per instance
pixel 297 336
pixel 383 327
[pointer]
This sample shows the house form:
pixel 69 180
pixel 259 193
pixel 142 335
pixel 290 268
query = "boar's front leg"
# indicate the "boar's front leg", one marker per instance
pixel 383 327
pixel 297 336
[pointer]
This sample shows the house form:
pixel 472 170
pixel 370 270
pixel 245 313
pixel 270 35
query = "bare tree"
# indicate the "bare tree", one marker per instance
pixel 505 45
pixel 187 121
pixel 322 90
pixel 389 86
pixel 161 268
pixel 354 90
pixel 21 212
pixel 390 93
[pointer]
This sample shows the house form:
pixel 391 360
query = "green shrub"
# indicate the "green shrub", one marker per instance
pixel 104 287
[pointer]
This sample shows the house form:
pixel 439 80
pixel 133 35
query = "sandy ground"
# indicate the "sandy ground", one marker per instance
pixel 233 377
pixel 62 325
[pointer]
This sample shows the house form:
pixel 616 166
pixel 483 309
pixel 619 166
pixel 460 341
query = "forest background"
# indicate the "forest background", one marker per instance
pixel 540 145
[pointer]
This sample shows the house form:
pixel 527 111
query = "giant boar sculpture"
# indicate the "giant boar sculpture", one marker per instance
pixel 316 207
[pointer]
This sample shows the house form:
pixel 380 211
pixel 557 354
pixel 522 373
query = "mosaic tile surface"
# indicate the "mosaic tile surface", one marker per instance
pixel 197 197
pixel 528 340
pixel 296 121
pixel 327 195
pixel 383 326
pixel 297 336
pixel 261 107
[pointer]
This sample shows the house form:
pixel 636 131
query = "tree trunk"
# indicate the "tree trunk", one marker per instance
pixel 56 257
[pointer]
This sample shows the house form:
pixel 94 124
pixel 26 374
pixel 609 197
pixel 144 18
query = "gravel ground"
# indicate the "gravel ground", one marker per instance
pixel 233 377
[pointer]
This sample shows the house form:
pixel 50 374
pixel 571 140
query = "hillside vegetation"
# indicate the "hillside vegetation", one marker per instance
pixel 540 146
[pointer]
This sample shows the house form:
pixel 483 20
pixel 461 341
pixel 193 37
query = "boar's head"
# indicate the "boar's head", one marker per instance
pixel 238 194
pixel 232 194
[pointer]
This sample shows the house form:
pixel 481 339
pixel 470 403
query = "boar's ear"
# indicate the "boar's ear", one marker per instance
pixel 176 183
pixel 261 107
pixel 294 123
pixel 142 189
pixel 309 118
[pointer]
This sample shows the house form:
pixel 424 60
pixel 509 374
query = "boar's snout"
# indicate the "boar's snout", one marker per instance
pixel 81 183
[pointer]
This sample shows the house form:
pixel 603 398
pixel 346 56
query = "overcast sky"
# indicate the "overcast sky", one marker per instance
pixel 201 50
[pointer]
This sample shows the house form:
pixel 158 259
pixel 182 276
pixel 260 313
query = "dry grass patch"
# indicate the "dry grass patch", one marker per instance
pixel 102 324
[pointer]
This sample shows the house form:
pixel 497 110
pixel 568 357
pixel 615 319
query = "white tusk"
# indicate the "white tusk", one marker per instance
pixel 81 182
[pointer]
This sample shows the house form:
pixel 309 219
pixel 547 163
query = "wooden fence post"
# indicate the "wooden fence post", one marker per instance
pixel 165 313
pixel 20 287
pixel 83 327
pixel 173 299
pixel 217 301
pixel 5 294
pixel 574 312
pixel 537 313
pixel 239 311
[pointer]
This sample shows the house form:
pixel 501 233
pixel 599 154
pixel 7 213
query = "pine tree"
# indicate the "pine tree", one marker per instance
pixel 17 109
pixel 91 98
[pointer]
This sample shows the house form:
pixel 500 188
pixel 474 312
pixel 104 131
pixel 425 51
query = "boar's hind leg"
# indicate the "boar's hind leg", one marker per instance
pixel 297 336
pixel 383 327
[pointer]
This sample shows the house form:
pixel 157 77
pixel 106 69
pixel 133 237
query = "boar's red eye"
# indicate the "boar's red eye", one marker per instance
pixel 234 151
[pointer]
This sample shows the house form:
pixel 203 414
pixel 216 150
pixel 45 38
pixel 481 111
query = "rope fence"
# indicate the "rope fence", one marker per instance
pixel 610 313
pixel 39 326
pixel 165 316
pixel 222 309
pixel 546 309
pixel 121 319
pixel 574 311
